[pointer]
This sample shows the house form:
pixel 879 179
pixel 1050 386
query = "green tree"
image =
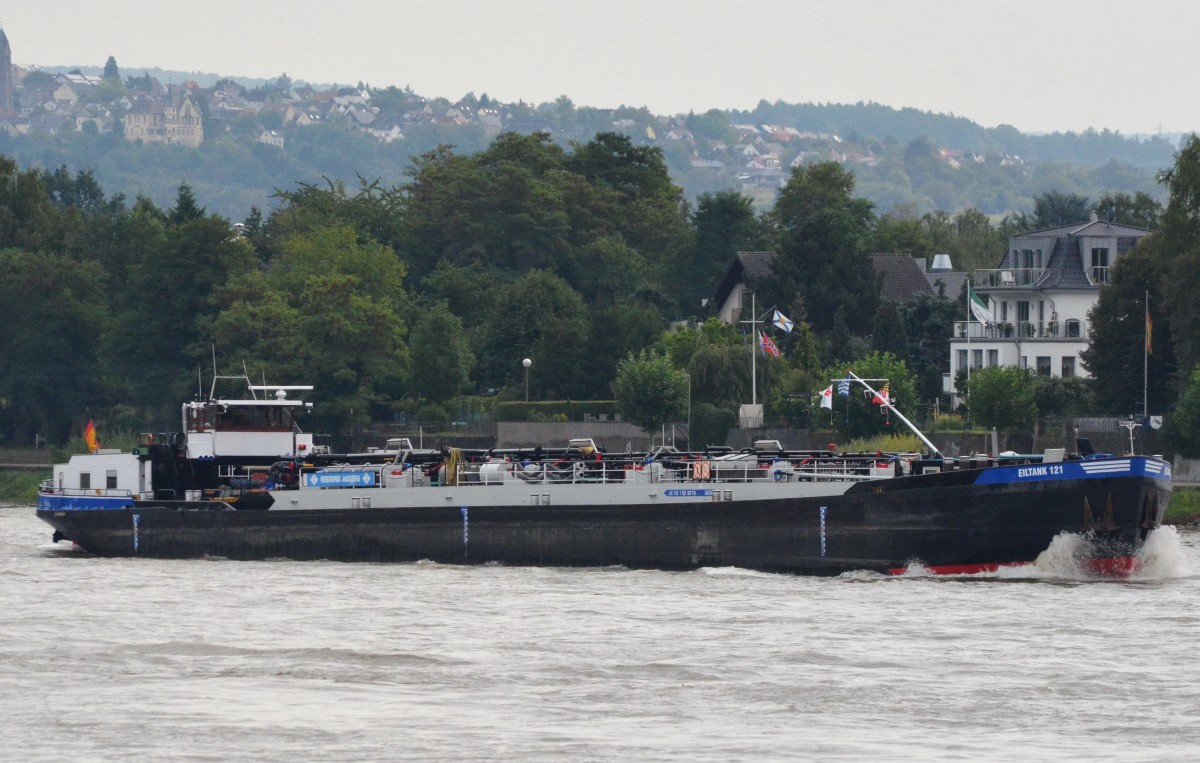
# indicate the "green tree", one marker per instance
pixel 650 391
pixel 1003 397
pixel 822 260
pixel 1138 209
pixel 1183 424
pixel 1116 355
pixel 724 223
pixel 1054 208
pixel 442 358
pixel 539 317
pixel 857 416
pixel 52 310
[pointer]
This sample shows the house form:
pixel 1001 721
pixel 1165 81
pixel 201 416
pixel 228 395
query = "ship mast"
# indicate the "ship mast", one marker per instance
pixel 933 450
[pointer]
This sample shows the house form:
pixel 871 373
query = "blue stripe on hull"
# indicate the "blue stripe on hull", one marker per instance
pixel 1137 466
pixel 82 502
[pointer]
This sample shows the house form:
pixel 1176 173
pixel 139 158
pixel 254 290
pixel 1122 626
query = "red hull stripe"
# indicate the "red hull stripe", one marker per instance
pixel 1113 567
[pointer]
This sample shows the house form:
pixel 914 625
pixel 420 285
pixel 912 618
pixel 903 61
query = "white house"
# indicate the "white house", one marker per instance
pixel 1039 300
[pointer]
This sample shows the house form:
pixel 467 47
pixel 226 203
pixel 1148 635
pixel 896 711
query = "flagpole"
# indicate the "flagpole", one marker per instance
pixel 754 350
pixel 969 312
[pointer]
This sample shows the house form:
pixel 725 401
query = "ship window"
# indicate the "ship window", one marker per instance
pixel 85 480
pixel 110 479
pixel 1043 365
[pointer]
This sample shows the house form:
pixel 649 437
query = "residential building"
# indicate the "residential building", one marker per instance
pixel 1039 300
pixel 175 121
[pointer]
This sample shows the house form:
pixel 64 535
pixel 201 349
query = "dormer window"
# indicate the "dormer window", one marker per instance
pixel 1099 270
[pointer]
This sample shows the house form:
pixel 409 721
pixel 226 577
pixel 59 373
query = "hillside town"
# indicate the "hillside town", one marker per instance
pixel 756 159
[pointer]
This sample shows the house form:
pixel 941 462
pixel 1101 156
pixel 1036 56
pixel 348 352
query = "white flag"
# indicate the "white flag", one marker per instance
pixel 783 322
pixel 827 397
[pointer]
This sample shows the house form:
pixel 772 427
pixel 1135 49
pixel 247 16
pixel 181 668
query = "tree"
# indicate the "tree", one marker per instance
pixel 822 252
pixel 1053 208
pixel 442 359
pixel 650 391
pixel 110 69
pixel 53 311
pixel 1138 209
pixel 185 209
pixel 856 415
pixel 1116 355
pixel 1003 397
pixel 724 223
pixel 1184 422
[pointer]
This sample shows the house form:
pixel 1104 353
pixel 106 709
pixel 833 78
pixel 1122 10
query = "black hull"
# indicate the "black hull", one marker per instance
pixel 942 521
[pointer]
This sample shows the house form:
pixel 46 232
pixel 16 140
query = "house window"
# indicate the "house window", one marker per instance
pixel 993 358
pixel 1004 312
pixel 976 358
pixel 85 480
pixel 1043 365
pixel 1100 265
pixel 1023 326
pixel 962 359
pixel 110 479
pixel 1068 366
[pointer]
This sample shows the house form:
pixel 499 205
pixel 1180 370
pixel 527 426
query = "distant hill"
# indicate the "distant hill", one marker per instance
pixel 277 133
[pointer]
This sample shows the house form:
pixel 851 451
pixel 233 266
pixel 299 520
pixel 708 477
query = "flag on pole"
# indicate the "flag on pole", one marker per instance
pixel 89 436
pixel 768 345
pixel 979 306
pixel 827 397
pixel 883 395
pixel 844 387
pixel 783 322
pixel 1149 331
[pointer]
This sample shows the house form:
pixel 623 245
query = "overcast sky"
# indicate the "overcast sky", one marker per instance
pixel 1040 65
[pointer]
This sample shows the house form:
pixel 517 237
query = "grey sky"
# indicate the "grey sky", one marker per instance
pixel 1040 65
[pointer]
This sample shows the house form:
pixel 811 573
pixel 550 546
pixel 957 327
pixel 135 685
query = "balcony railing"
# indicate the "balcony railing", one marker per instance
pixel 1008 278
pixel 1072 329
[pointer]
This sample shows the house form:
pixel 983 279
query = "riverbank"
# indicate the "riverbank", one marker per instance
pixel 19 486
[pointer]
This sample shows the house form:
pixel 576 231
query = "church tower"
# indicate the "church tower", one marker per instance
pixel 6 81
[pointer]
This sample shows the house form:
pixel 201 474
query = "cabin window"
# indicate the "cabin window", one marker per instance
pixel 1043 365
pixel 993 358
pixel 1099 265
pixel 85 480
pixel 110 479
pixel 1068 366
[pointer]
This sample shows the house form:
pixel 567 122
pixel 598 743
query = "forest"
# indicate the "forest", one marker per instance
pixel 422 298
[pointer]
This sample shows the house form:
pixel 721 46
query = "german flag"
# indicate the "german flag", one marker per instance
pixel 89 436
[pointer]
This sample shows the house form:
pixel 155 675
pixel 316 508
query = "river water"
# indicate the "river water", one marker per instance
pixel 213 660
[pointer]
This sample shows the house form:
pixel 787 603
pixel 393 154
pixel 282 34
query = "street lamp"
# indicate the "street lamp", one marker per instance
pixel 527 363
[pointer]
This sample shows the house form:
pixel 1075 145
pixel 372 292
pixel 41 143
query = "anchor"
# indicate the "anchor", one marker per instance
pixel 1107 523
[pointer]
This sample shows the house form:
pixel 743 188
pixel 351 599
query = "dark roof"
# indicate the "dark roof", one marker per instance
pixel 745 265
pixel 953 279
pixel 1065 267
pixel 902 278
pixel 1097 228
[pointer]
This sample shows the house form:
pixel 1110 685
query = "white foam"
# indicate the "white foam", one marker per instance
pixel 1162 557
